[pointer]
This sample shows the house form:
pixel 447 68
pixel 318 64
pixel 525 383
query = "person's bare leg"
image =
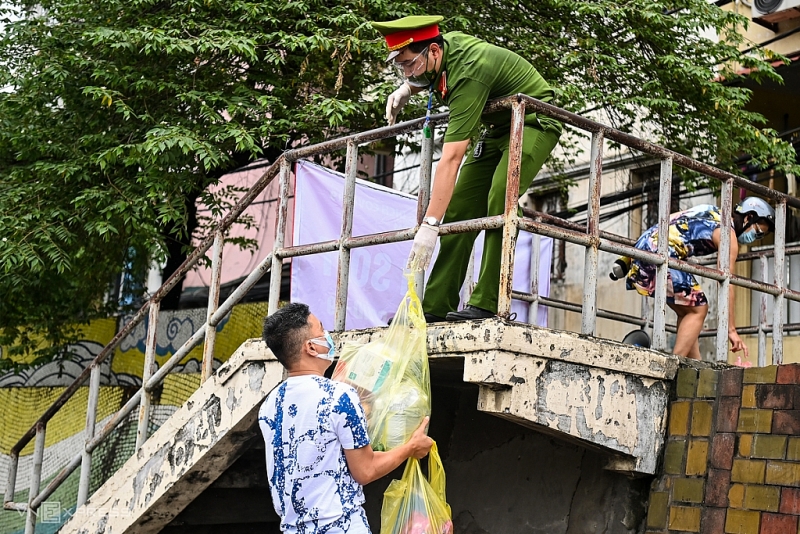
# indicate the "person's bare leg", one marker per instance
pixel 690 322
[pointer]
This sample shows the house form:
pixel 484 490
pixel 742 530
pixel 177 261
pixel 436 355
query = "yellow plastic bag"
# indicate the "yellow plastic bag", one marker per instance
pixel 415 504
pixel 391 375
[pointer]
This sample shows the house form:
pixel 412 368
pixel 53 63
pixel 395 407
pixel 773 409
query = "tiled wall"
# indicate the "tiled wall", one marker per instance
pixel 732 458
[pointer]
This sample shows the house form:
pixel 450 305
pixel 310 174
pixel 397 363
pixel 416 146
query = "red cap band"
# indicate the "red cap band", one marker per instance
pixel 398 40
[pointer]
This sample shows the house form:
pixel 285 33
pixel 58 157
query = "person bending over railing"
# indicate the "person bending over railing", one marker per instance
pixel 464 72
pixel 695 232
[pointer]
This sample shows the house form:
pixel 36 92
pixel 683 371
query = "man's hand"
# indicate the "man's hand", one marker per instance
pixel 419 443
pixel 396 102
pixel 422 250
pixel 737 344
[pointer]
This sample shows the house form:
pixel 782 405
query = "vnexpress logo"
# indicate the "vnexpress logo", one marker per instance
pixel 50 512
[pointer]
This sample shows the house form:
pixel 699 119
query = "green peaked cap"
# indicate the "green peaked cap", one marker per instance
pixel 414 22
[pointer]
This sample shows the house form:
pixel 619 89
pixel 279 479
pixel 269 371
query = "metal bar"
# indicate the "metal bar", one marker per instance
pixel 59 479
pixel 539 216
pixel 147 372
pixel 252 279
pixel 115 420
pixel 533 306
pixel 348 207
pixel 591 256
pixel 780 282
pixel 91 419
pixel 577 308
pixel 11 480
pixel 176 358
pixel 662 271
pixel 640 145
pixel 412 126
pixel 762 315
pixel 280 233
pixel 424 195
pixel 213 302
pixel 724 264
pixel 511 210
pixel 36 478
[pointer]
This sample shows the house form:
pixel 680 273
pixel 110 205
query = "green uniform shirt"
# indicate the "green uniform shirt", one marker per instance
pixel 474 72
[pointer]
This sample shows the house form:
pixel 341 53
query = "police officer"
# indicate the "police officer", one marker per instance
pixel 464 73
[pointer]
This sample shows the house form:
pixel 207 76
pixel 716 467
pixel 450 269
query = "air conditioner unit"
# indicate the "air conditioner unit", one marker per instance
pixel 774 11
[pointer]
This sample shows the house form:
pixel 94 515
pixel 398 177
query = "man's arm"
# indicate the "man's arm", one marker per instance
pixel 445 178
pixel 367 465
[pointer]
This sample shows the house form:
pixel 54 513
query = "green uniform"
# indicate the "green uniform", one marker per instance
pixel 472 73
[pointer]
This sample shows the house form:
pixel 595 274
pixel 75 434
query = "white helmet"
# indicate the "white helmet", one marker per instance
pixel 759 207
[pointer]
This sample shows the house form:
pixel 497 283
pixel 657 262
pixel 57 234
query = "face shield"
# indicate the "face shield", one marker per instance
pixel 415 70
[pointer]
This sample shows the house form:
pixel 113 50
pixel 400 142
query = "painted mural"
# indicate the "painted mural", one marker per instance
pixel 27 394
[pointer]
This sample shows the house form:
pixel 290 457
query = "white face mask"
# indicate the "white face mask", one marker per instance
pixel 325 341
pixel 420 61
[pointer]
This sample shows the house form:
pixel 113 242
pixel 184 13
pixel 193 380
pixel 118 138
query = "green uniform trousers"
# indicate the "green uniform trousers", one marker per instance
pixel 481 191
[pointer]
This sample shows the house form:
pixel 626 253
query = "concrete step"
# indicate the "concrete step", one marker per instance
pixel 599 394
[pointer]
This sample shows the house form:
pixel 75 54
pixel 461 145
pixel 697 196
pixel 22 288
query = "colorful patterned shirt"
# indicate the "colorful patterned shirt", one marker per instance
pixel 307 422
pixel 690 233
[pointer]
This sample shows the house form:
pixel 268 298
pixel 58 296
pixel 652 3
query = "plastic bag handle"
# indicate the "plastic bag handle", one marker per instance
pixel 436 475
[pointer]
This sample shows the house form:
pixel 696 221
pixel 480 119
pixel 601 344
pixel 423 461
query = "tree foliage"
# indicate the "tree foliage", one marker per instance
pixel 117 115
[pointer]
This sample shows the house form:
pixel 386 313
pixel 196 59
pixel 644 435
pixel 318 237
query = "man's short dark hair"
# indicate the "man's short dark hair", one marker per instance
pixel 285 332
pixel 421 45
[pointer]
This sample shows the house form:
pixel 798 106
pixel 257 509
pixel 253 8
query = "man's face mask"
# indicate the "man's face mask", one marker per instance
pixel 416 70
pixel 325 341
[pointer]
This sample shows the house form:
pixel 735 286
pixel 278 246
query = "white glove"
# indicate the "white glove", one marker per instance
pixel 397 102
pixel 422 250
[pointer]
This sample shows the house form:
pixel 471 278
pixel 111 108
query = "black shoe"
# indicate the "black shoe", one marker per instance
pixel 468 313
pixel 429 318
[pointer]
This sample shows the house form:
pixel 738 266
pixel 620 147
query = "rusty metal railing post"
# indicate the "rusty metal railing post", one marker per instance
pixel 36 478
pixel 724 265
pixel 348 207
pixel 589 311
pixel 533 306
pixel 213 304
pixel 762 314
pixel 662 270
pixel 91 419
pixel 147 372
pixel 512 207
pixel 11 481
pixel 424 195
pixel 779 281
pixel 280 232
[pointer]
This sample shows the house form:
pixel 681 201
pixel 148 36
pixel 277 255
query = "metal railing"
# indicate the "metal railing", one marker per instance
pixel 590 237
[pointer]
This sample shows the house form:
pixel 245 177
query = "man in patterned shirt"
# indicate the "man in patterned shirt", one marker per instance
pixel 317 448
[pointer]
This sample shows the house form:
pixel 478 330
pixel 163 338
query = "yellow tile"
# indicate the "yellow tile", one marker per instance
pixel 697 458
pixel 736 496
pixel 749 396
pixel 745 445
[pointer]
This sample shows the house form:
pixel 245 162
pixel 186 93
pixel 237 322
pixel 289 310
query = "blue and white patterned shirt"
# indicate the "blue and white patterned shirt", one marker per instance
pixel 307 422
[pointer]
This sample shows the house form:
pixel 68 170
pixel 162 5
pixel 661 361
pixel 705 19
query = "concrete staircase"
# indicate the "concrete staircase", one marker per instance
pixel 189 452
pixel 205 464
